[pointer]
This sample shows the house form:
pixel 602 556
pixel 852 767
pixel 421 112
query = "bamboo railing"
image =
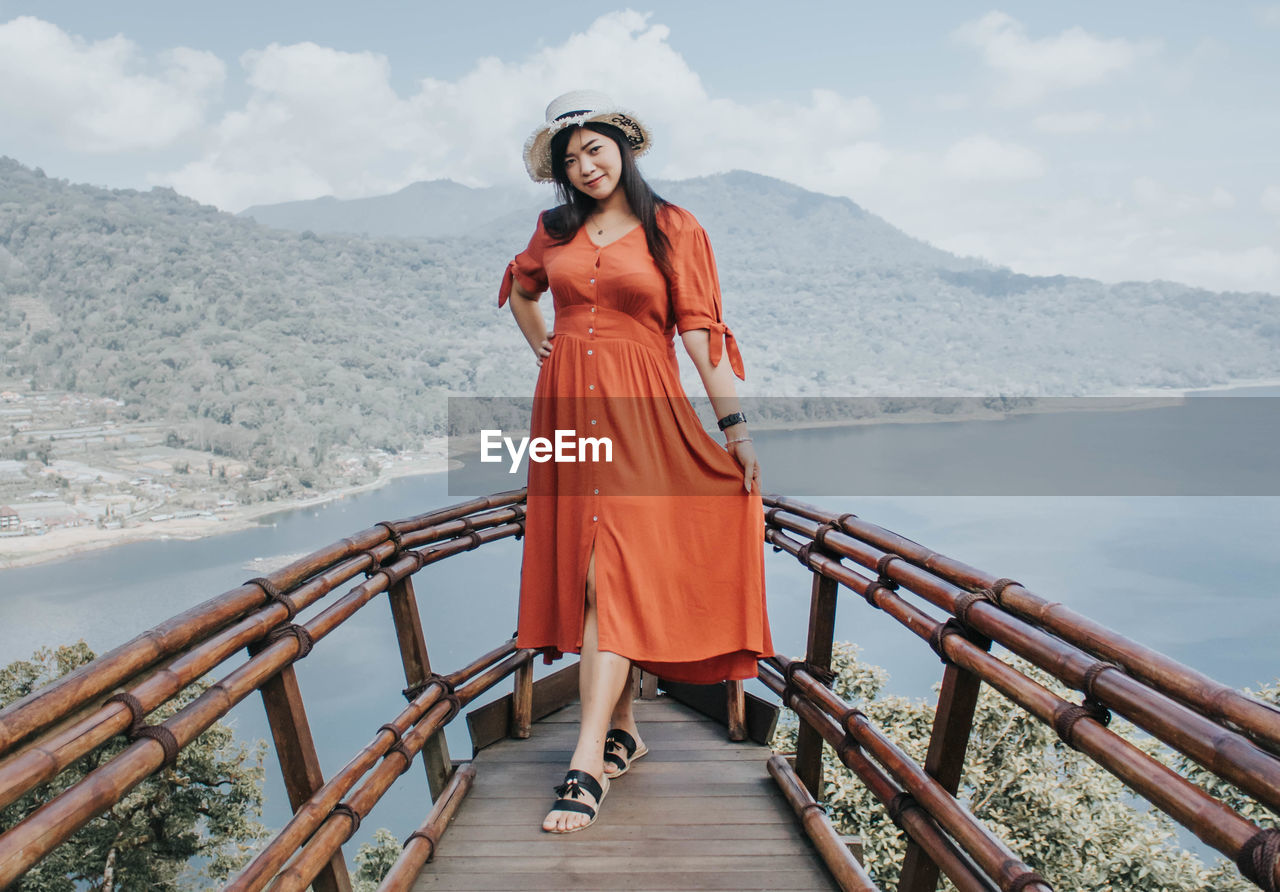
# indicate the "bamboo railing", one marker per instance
pixel 45 732
pixel 1230 734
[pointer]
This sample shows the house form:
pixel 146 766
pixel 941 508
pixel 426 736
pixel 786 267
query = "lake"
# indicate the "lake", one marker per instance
pixel 1192 576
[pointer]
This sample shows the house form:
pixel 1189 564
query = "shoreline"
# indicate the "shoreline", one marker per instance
pixel 70 542
pixel 73 541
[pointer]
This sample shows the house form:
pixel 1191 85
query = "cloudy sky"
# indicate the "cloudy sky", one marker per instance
pixel 1138 140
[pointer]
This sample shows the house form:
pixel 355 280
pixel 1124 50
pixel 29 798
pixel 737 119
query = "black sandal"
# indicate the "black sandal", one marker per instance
pixel 620 741
pixel 575 783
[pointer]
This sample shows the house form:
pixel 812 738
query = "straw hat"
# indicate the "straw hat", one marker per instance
pixel 578 107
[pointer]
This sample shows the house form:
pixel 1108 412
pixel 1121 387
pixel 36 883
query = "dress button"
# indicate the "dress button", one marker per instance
pixel 596 491
pixel 591 331
pixel 593 281
pixel 593 421
pixel 593 309
pixel 591 387
pixel 594 517
pixel 588 352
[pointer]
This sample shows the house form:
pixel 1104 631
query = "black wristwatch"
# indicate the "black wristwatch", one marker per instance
pixel 731 420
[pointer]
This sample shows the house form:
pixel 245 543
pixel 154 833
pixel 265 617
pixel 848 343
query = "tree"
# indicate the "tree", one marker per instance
pixel 1065 816
pixel 375 859
pixel 184 827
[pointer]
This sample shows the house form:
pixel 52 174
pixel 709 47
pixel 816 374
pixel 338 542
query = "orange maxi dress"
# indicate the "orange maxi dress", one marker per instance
pixel 678 542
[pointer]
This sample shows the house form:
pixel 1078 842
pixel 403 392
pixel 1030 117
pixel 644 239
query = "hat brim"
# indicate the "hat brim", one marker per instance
pixel 537 148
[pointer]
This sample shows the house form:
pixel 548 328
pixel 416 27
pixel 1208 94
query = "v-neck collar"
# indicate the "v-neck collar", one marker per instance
pixel 583 230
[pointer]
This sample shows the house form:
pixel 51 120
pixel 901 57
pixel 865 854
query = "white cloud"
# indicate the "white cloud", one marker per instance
pixel 1270 199
pixel 1221 198
pixel 1031 68
pixel 323 121
pixel 92 96
pixel 984 158
pixel 1070 122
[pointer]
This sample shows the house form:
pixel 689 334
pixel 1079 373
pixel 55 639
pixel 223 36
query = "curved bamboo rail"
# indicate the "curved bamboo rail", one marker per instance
pixel 1227 732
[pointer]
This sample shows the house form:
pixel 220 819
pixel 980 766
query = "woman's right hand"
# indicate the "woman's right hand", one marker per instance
pixel 543 350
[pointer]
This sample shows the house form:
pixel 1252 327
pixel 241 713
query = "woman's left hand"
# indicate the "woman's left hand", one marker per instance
pixel 745 453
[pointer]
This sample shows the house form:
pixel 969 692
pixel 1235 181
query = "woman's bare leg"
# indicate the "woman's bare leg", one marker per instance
pixel 624 717
pixel 601 677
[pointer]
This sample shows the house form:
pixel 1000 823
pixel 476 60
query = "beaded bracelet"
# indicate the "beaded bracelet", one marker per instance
pixel 737 440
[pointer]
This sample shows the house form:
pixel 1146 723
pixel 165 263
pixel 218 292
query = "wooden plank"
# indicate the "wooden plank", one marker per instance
pixel 734 771
pixel 669 753
pixel 607 831
pixel 599 878
pixel 532 810
pixel 570 860
pixel 417 669
pixel 680 788
pixel 609 848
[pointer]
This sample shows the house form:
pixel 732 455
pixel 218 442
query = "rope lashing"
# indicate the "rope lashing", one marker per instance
pixel 899 804
pixel 343 808
pixel 274 594
pixel 952 627
pixel 964 603
pixel 305 641
pixel 998 587
pixel 1091 678
pixel 420 834
pixel 1065 718
pixel 392 533
pixel 881 567
pixel 1258 857
pixel 138 728
pixel 398 746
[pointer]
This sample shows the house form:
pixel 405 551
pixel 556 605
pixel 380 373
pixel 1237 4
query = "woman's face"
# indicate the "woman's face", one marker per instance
pixel 593 163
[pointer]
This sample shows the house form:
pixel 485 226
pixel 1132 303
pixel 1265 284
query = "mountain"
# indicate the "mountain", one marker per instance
pixel 283 347
pixel 753 212
pixel 431 209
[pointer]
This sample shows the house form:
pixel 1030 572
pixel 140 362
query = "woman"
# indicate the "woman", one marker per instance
pixel 655 555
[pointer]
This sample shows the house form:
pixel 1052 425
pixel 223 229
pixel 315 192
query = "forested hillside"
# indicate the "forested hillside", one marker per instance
pixel 277 346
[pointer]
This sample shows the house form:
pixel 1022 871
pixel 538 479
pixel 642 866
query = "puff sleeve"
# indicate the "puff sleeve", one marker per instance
pixel 695 290
pixel 526 269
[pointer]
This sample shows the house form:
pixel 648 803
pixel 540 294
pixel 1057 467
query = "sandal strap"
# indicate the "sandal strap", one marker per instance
pixel 615 760
pixel 576 777
pixel 571 805
pixel 624 738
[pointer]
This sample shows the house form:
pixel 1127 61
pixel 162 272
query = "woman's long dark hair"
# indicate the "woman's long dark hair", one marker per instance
pixel 564 221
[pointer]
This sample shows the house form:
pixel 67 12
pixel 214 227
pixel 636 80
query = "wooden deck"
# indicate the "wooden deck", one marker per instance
pixel 698 812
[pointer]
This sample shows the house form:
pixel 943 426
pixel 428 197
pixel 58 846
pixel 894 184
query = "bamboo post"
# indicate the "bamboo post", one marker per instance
pixel 417 669
pixel 952 723
pixel 421 845
pixel 737 710
pixel 822 625
pixel 836 855
pixel 522 701
pixel 648 686
pixel 299 763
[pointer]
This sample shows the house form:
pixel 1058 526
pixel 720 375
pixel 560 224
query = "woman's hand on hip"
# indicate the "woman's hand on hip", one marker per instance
pixel 542 351
pixel 745 454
